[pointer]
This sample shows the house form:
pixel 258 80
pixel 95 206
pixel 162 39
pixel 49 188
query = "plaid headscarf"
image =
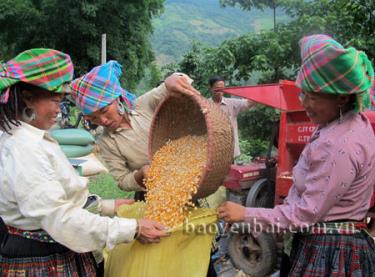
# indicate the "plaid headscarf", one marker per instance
pixel 99 88
pixel 48 69
pixel 328 67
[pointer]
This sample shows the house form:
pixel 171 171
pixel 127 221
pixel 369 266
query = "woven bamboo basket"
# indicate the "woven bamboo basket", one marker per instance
pixel 183 115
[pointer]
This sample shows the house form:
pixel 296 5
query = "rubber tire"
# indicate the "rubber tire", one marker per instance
pixel 266 260
pixel 260 194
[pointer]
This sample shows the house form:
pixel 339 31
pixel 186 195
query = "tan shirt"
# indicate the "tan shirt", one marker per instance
pixel 126 150
pixel 39 189
pixel 232 107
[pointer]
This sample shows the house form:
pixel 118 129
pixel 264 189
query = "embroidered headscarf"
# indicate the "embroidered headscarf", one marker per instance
pixel 328 67
pixel 49 69
pixel 99 88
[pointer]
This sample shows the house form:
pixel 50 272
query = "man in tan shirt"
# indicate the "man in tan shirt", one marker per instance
pixel 231 106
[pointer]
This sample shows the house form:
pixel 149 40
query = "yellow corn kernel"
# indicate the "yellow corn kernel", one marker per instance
pixel 173 178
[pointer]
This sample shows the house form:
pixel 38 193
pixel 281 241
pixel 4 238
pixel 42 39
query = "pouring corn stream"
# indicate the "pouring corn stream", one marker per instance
pixel 173 178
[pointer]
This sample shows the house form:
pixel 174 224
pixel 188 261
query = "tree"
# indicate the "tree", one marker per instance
pixel 255 4
pixel 75 27
pixel 270 56
pixel 350 22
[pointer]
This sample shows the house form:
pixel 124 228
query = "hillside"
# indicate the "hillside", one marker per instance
pixel 185 21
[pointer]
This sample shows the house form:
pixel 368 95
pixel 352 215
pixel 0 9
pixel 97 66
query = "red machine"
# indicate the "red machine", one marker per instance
pixel 259 184
pixel 294 131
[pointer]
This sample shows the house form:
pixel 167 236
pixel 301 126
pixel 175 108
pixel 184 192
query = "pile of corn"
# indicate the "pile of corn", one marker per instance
pixel 173 178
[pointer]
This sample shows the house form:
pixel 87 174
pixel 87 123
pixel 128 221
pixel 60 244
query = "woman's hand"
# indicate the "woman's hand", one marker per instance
pixel 122 201
pixel 231 212
pixel 141 174
pixel 150 231
pixel 179 83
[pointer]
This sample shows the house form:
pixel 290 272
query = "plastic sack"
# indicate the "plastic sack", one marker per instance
pixel 185 253
pixel 217 198
pixel 74 151
pixel 88 165
pixel 72 136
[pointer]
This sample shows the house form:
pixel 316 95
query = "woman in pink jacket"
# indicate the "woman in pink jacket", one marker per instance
pixel 333 181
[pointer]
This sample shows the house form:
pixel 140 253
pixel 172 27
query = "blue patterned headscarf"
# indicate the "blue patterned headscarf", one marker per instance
pixel 100 87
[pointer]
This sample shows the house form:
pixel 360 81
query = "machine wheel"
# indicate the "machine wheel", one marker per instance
pixel 261 194
pixel 254 256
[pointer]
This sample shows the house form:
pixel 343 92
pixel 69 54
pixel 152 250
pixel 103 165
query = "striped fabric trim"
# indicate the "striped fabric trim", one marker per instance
pixel 39 235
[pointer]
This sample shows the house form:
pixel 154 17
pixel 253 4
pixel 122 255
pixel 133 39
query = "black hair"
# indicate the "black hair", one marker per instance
pixel 352 101
pixel 10 111
pixel 214 79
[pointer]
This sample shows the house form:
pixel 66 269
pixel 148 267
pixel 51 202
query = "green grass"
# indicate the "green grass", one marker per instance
pixel 106 187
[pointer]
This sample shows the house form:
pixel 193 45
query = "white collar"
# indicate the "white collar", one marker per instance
pixel 39 133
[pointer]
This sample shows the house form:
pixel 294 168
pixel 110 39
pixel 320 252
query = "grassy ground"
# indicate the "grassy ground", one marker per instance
pixel 105 186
